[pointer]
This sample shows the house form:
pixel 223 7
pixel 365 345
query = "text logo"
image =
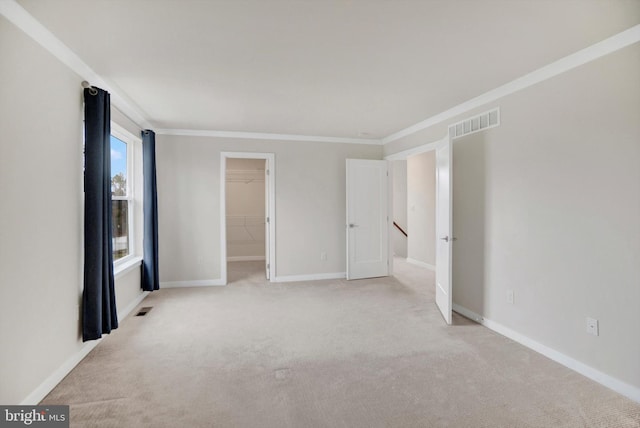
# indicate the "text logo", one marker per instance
pixel 34 416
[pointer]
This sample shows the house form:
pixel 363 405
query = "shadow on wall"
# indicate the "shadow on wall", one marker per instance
pixel 469 222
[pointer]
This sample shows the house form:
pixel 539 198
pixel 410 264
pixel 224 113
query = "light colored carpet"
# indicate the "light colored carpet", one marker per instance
pixel 368 353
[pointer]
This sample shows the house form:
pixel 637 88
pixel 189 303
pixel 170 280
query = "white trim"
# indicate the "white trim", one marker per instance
pixel 271 164
pixel 267 136
pixel 124 134
pixel 403 155
pixel 247 155
pixel 310 277
pixel 467 313
pixel 576 59
pixel 54 379
pixel 196 283
pixel 390 217
pixel 222 198
pixel 132 142
pixel 16 14
pixel 245 258
pixel 421 264
pixel 22 19
pixel 122 314
pixel 630 391
pixel 126 266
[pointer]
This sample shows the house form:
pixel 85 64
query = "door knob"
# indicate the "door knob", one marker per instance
pixel 352 225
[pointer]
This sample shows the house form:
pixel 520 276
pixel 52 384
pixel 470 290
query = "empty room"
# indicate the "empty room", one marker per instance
pixel 336 213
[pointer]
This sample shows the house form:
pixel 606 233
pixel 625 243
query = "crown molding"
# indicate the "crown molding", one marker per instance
pixel 267 136
pixel 576 59
pixel 403 155
pixel 22 19
pixel 17 15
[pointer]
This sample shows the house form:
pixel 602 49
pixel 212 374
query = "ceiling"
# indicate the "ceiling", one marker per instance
pixel 336 68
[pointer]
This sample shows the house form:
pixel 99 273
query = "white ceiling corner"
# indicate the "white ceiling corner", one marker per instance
pixel 576 59
pixel 365 72
pixel 267 136
pixel 15 13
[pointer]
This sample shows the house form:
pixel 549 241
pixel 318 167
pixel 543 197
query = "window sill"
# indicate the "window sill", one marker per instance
pixel 124 267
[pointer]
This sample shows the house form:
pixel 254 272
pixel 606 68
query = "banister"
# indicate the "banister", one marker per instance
pixel 400 229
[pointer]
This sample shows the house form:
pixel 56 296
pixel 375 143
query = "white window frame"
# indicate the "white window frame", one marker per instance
pixel 130 140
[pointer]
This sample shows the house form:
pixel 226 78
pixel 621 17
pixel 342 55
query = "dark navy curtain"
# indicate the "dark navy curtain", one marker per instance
pixel 150 277
pixel 99 315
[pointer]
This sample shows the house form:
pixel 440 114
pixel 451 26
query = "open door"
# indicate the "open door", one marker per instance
pixel 269 208
pixel 367 219
pixel 267 218
pixel 444 230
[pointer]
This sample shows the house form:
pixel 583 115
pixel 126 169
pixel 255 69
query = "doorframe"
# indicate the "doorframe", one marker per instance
pixel 403 155
pixel 270 158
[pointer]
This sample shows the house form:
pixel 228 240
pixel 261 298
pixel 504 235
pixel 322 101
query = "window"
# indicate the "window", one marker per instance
pixel 121 197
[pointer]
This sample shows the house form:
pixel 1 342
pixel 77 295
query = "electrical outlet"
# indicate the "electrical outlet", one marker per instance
pixel 323 255
pixel 592 326
pixel 510 297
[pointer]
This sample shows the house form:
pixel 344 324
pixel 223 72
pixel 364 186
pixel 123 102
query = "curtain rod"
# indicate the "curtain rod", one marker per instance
pixel 87 85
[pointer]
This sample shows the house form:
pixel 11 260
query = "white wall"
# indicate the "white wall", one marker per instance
pixel 245 208
pixel 547 205
pixel 40 216
pixel 421 212
pixel 310 204
pixel 399 169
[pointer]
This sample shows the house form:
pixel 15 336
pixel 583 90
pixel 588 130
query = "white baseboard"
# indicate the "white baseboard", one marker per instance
pixel 122 314
pixel 198 283
pixel 54 379
pixel 422 264
pixel 467 313
pixel 245 258
pixel 311 277
pixel 630 391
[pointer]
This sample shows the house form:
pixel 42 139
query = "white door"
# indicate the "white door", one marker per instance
pixel 444 243
pixel 267 219
pixel 367 219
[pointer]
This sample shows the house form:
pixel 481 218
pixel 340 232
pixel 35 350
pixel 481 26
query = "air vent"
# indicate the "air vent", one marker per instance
pixel 144 311
pixel 486 120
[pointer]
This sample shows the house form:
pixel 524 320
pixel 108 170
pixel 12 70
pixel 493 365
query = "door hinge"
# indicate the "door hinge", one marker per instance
pixel 268 220
pixel 267 171
pixel 268 266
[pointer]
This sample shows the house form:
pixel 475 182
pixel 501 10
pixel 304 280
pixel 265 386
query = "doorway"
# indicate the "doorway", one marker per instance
pixel 427 175
pixel 247 214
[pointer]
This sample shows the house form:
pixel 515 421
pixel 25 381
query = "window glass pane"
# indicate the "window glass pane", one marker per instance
pixel 118 167
pixel 120 224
